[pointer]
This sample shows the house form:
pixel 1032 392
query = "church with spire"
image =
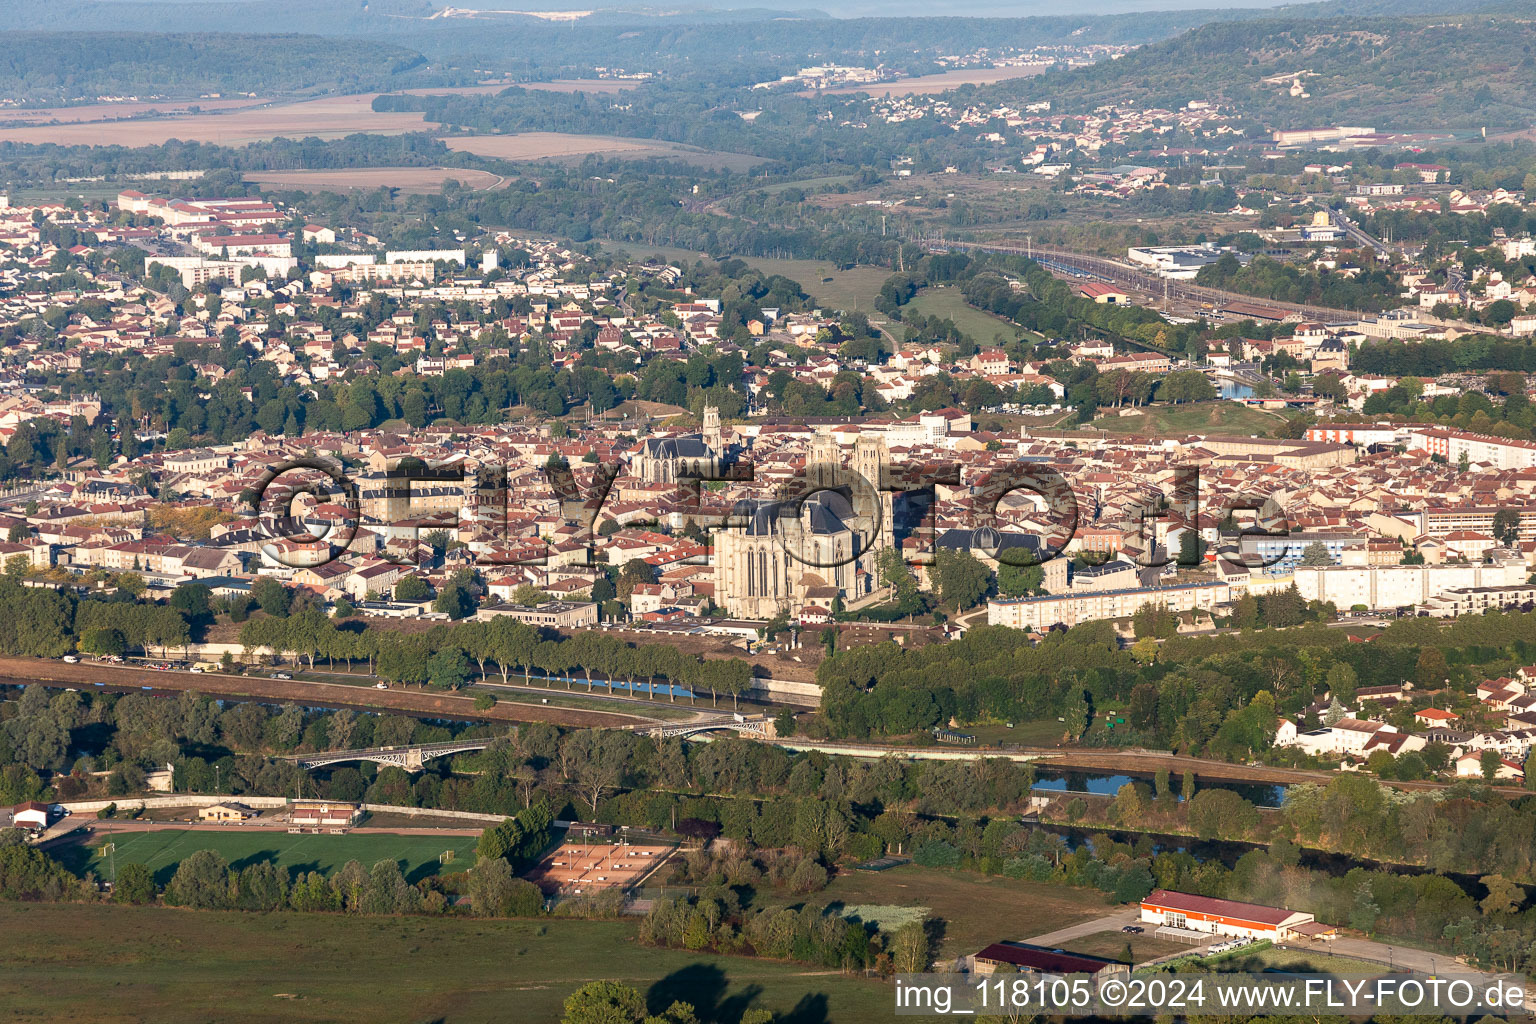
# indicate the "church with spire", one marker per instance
pixel 666 460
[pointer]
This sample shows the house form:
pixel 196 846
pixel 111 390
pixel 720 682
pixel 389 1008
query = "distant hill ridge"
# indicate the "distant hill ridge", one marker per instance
pixel 42 68
pixel 1459 71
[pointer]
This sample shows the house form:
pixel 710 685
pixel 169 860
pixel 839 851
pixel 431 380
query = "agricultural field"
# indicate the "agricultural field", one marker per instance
pixel 948 303
pixel 162 850
pixel 1193 417
pixel 562 146
pixel 976 909
pixel 88 112
pixel 104 964
pixel 596 86
pixel 483 89
pixel 227 122
pixel 331 117
pixel 941 82
pixel 406 179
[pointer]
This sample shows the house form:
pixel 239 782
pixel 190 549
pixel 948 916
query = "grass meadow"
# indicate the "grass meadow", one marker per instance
pixel 162 850
pixel 105 964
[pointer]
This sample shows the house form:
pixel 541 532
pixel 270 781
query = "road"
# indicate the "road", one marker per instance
pixel 108 827
pixel 1109 760
pixel 422 703
pixel 1355 232
pixel 1399 958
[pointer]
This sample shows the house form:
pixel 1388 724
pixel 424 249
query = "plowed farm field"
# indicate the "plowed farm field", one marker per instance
pixel 406 179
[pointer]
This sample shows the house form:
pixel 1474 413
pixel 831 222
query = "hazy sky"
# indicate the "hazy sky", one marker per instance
pixel 866 8
pixel 1013 8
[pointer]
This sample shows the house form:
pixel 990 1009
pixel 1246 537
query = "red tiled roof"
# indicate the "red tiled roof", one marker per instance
pixel 1038 959
pixel 1187 903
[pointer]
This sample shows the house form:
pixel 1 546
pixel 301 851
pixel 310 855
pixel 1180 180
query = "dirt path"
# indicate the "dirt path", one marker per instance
pixel 20 671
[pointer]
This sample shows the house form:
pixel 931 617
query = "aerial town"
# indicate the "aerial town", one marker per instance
pixel 795 526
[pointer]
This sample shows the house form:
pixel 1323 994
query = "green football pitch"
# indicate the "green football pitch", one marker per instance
pixel 161 851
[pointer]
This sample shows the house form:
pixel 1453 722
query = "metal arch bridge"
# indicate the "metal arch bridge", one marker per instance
pixel 411 758
pixel 754 726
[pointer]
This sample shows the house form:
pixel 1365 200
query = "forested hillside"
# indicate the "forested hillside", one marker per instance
pixel 678 41
pixel 40 68
pixel 738 44
pixel 1463 72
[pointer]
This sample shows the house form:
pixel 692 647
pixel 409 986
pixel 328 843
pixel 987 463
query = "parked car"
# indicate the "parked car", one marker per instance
pixel 281 675
pixel 70 659
pixel 381 686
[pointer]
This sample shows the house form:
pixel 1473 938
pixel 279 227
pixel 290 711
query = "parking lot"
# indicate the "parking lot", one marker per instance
pixel 1063 937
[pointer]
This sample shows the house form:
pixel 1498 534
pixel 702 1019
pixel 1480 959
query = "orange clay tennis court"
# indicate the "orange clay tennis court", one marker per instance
pixel 579 867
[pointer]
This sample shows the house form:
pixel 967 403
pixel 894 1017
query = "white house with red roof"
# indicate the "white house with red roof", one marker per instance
pixel 991 362
pixel 30 815
pixel 1470 766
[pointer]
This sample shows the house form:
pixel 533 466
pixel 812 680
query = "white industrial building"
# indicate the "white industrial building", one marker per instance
pixel 1196 915
pixel 1180 262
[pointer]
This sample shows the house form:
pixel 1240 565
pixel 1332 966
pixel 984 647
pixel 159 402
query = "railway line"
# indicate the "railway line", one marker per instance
pixel 1126 275
pixel 15 671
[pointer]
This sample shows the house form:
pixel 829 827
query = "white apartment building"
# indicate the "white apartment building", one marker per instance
pixel 337 260
pixel 425 256
pixel 1041 613
pixel 1452 445
pixel 197 462
pixel 1400 586
pixel 1476 600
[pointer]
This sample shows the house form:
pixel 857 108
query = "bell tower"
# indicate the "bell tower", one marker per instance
pixel 823 462
pixel 714 437
pixel 871 459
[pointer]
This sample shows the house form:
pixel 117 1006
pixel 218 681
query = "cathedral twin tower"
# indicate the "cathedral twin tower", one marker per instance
pixel 815 543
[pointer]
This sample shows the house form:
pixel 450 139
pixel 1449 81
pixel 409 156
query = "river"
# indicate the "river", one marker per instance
pixel 1227 852
pixel 1108 784
pixel 1224 851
